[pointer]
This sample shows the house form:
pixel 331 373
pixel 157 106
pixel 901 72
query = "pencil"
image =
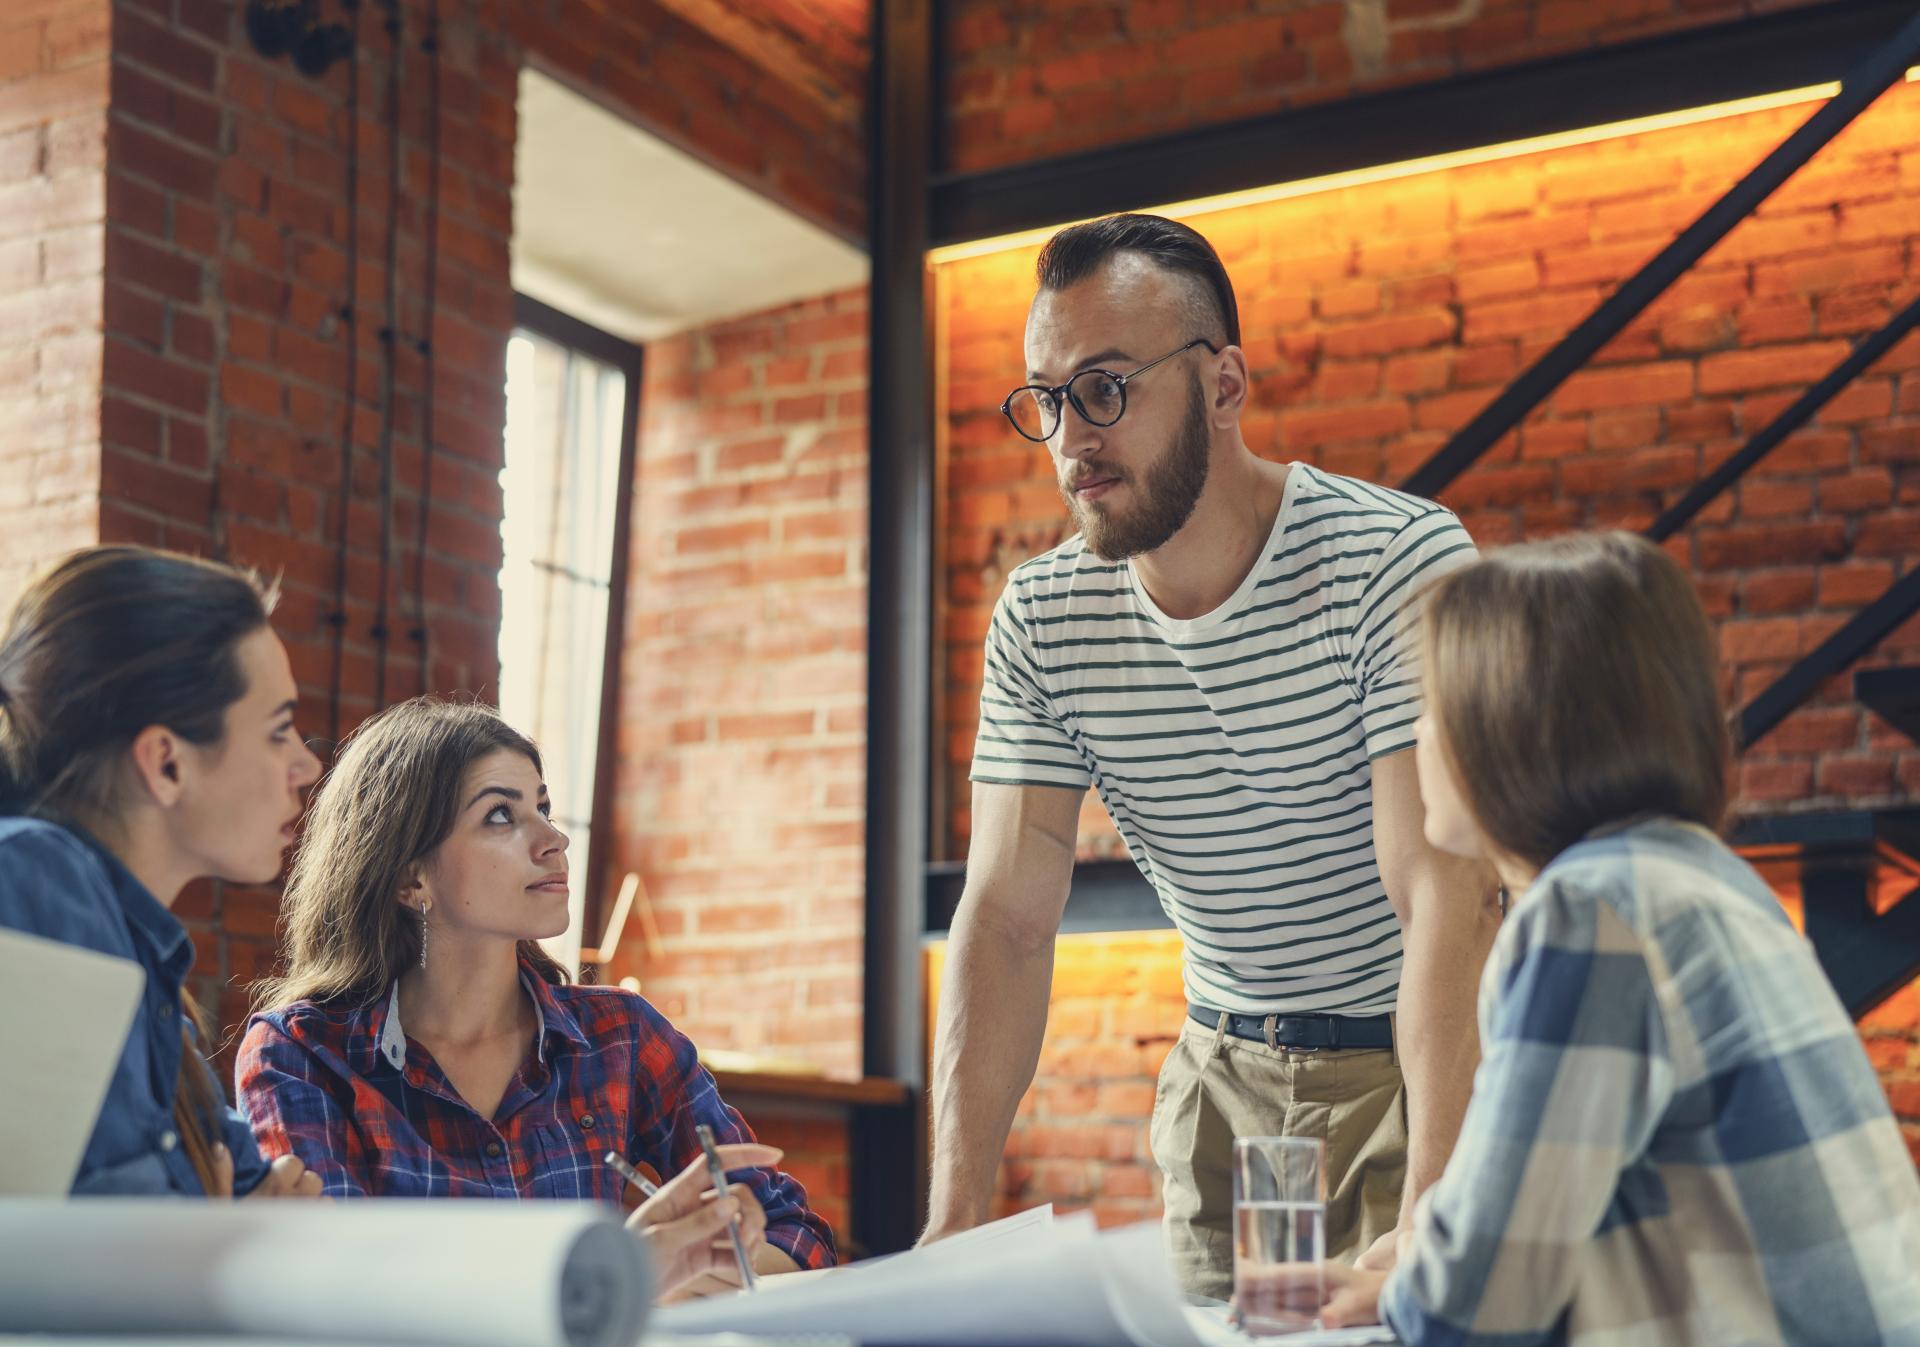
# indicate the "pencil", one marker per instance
pixel 618 1163
pixel 719 1173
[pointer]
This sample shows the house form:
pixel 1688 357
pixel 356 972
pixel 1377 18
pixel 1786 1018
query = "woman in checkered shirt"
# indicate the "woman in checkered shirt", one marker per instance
pixel 429 870
pixel 1675 1135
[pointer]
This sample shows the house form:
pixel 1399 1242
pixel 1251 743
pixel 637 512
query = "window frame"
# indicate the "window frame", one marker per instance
pixel 563 329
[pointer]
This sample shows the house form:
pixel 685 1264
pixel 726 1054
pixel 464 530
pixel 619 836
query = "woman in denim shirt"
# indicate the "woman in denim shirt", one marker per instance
pixel 147 741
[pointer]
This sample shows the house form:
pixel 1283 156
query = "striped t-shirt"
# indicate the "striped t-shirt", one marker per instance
pixel 1233 750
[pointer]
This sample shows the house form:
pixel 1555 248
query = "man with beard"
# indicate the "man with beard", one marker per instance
pixel 1221 653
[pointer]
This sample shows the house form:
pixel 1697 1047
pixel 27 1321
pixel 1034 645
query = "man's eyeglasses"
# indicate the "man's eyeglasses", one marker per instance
pixel 1099 395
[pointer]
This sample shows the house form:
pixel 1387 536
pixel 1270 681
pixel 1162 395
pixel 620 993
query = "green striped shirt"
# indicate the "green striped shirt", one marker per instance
pixel 1233 750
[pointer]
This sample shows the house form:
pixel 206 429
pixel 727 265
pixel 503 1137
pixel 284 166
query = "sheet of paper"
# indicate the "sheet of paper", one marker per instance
pixel 1007 1227
pixel 64 1016
pixel 1054 1284
pixel 1210 1326
pixel 477 1274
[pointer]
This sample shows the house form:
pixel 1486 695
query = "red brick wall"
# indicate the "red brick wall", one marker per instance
pixel 1034 79
pixel 223 393
pixel 221 347
pixel 742 737
pixel 53 103
pixel 1380 318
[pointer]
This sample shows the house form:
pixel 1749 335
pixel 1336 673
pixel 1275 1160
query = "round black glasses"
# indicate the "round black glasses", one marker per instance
pixel 1099 395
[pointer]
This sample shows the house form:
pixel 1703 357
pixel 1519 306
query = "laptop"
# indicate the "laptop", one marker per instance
pixel 64 1017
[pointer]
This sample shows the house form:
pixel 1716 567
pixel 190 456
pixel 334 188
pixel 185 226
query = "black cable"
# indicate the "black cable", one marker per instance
pixel 390 353
pixel 350 323
pixel 431 45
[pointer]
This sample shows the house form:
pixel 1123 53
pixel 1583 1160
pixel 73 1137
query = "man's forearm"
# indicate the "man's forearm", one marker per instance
pixel 1438 1037
pixel 993 1016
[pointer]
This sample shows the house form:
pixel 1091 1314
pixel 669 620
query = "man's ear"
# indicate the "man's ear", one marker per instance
pixel 1229 387
pixel 158 763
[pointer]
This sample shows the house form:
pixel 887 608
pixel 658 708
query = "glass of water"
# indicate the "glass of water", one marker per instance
pixel 1279 1233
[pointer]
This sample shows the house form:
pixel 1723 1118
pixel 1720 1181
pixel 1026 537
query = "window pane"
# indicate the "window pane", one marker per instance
pixel 561 485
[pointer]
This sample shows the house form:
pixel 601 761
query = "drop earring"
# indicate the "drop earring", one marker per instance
pixel 425 903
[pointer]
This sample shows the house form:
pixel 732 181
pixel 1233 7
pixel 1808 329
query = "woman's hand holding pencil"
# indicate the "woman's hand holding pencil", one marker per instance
pixel 686 1221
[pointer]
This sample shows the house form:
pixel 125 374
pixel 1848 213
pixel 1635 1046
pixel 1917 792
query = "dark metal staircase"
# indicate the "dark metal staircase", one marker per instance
pixel 1845 864
pixel 1858 871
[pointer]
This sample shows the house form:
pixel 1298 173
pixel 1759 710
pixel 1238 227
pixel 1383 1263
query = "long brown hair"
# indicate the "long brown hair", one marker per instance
pixel 105 643
pixel 390 800
pixel 1574 685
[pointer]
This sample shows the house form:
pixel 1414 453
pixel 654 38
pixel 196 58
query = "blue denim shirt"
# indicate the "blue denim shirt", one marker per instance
pixel 60 884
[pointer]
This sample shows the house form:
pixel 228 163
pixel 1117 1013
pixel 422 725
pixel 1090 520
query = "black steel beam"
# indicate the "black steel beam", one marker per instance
pixel 1873 76
pixel 1106 896
pixel 1865 630
pixel 1844 830
pixel 1112 895
pixel 1748 57
pixel 1893 695
pixel 1676 516
pixel 888 1169
pixel 1867 957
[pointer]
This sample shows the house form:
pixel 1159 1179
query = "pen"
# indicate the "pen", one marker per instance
pixel 719 1173
pixel 618 1163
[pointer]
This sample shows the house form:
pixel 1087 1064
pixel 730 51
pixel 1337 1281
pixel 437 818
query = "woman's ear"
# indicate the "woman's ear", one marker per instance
pixel 157 755
pixel 412 891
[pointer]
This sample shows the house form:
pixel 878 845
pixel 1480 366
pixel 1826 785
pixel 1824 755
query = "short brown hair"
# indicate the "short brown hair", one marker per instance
pixel 1574 684
pixel 1078 251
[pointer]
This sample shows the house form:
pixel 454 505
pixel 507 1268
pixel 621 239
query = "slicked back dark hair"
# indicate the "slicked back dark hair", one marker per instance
pixel 1078 251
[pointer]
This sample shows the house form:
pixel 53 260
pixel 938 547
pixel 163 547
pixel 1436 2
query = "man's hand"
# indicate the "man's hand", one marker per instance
pixel 286 1177
pixel 1353 1296
pixel 1385 1253
pixel 686 1224
pixel 1381 1254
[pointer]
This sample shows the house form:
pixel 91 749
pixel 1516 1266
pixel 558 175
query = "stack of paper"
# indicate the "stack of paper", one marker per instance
pixel 1031 1281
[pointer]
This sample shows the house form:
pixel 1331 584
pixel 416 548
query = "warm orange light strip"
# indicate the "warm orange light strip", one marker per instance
pixel 1408 168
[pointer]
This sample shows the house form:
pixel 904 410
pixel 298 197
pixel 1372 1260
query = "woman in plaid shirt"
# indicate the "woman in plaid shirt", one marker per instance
pixel 1675 1135
pixel 429 869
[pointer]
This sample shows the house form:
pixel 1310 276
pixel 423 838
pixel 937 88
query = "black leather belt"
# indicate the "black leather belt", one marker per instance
pixel 1302 1033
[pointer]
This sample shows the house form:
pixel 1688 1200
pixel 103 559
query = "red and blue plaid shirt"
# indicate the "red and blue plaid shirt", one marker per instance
pixel 369 1110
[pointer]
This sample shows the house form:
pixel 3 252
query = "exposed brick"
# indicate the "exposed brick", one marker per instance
pixel 1631 386
pixel 1769 367
pixel 1384 336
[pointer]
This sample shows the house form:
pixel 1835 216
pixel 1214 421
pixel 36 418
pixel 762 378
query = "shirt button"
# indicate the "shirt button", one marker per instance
pixel 586 1121
pixel 493 1150
pixel 168 1140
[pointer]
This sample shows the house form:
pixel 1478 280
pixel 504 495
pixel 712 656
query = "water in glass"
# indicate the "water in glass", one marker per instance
pixel 1279 1251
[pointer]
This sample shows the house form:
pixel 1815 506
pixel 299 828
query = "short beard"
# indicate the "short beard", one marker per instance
pixel 1168 494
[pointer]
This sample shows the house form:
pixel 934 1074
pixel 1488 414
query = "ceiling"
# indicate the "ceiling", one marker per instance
pixel 630 234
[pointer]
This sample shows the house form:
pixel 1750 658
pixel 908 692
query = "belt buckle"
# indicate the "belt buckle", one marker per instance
pixel 1271 1025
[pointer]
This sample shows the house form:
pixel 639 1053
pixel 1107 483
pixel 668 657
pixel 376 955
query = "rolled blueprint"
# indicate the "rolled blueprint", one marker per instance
pixel 480 1274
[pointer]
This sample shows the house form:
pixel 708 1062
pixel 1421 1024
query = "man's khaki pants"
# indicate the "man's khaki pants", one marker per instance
pixel 1215 1087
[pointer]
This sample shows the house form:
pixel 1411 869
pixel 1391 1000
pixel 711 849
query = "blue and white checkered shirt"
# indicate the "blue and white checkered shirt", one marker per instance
pixel 1675 1135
